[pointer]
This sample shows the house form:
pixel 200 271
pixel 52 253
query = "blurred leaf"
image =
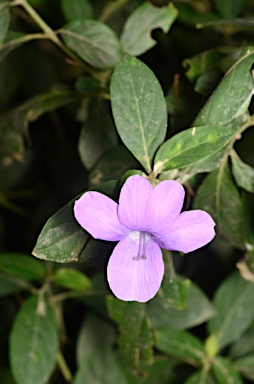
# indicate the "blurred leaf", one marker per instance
pixel 136 37
pixel 5 18
pixel 93 330
pixel 98 135
pixel 223 108
pixel 71 279
pixel 229 8
pixel 136 335
pixel 33 342
pixel 7 287
pixel 62 239
pixel 89 86
pixel 235 312
pixel 179 344
pixel 243 346
pixel 93 41
pixel 77 9
pixel 219 196
pixel 245 366
pixel 101 368
pixel 139 109
pixel 225 372
pixel 189 15
pixel 190 146
pixel 200 378
pixel 197 311
pixel 15 122
pixel 22 265
pixel 243 173
pixel 6 376
pixel 107 168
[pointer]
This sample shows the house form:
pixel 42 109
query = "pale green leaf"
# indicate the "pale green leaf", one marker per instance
pixel 71 279
pixel 243 173
pixel 224 371
pixel 136 37
pixel 188 147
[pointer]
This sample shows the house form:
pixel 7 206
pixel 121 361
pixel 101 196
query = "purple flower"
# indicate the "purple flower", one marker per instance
pixel 146 219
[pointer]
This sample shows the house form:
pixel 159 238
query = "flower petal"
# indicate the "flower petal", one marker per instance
pixel 131 279
pixel 135 203
pixel 97 214
pixel 191 230
pixel 168 197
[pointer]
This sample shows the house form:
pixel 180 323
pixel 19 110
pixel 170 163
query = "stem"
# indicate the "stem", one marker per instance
pixel 68 295
pixel 65 370
pixel 52 35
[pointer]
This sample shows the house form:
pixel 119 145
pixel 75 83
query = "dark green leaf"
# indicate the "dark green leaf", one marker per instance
pixel 229 8
pixel 223 107
pixel 190 146
pixel 6 286
pixel 92 332
pixel 136 37
pixel 71 279
pixel 5 18
pixel 98 135
pixel 243 173
pixel 15 123
pixel 21 265
pixel 245 366
pixel 77 9
pixel 139 109
pixel 198 310
pixel 235 312
pixel 107 168
pixel 244 345
pixel 179 344
pixel 33 342
pixel 225 372
pixel 93 41
pixel 62 239
pixel 200 378
pixel 219 196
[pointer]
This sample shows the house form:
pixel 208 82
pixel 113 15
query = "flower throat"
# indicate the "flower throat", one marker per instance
pixel 141 246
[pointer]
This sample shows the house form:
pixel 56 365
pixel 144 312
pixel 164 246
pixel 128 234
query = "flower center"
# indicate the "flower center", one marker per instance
pixel 142 245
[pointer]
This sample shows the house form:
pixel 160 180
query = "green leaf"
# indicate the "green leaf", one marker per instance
pixel 6 286
pixel 22 265
pixel 175 293
pixel 198 310
pixel 92 331
pixel 136 37
pixel 62 239
pixel 101 368
pixel 5 18
pixel 235 312
pixel 243 173
pixel 139 109
pixel 229 8
pixel 136 335
pixel 223 107
pixel 188 147
pixel 71 279
pixel 200 378
pixel 244 345
pixel 15 122
pixel 77 9
pixel 97 136
pixel 245 366
pixel 225 372
pixel 33 342
pixel 93 41
pixel 179 344
pixel 107 168
pixel 219 196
